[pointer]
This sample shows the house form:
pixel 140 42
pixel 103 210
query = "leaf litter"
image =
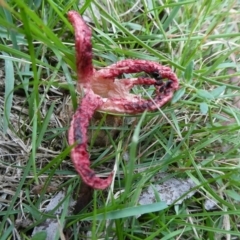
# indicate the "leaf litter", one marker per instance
pixel 170 191
pixel 52 226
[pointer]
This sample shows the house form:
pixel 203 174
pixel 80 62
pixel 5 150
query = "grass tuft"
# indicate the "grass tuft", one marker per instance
pixel 195 136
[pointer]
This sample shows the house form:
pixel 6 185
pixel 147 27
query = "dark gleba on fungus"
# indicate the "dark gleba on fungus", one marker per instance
pixel 104 91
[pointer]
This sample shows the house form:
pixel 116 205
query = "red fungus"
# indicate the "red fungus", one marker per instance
pixel 103 91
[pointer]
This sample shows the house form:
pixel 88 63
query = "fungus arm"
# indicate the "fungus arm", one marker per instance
pixel 78 135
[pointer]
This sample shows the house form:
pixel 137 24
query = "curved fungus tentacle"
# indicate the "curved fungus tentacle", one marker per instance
pixel 104 91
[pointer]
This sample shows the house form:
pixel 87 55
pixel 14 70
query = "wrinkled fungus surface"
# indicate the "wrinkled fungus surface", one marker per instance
pixel 104 91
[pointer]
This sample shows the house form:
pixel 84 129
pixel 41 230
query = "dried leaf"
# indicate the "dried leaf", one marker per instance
pixel 51 226
pixel 210 204
pixel 169 191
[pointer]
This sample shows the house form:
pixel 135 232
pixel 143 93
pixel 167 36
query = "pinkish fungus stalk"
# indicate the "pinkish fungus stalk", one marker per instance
pixel 104 91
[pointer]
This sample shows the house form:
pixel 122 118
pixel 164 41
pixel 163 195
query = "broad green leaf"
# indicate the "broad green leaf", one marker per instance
pixel 45 125
pixel 203 108
pixel 130 211
pixel 37 4
pixel 189 71
pixel 226 65
pixel 233 194
pixel 40 236
pixel 204 94
pixel 178 95
pixel 134 26
pixel 218 91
